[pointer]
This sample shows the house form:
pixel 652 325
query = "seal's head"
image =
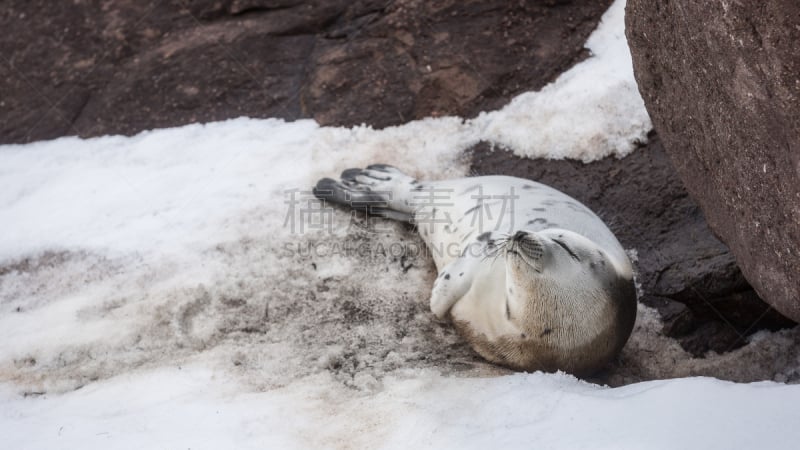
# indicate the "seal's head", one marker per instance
pixel 578 266
pixel 564 292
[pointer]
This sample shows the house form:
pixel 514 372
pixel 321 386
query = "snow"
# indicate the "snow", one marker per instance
pixel 192 407
pixel 151 296
pixel 591 111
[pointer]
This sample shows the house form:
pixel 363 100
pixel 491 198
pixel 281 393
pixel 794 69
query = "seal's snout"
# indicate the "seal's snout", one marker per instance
pixel 527 244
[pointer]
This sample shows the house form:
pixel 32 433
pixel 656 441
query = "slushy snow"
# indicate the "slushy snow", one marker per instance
pixel 155 291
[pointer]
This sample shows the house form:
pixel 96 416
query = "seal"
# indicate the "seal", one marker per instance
pixel 529 276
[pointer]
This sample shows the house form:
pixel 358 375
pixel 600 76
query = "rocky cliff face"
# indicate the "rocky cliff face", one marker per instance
pixel 105 67
pixel 721 81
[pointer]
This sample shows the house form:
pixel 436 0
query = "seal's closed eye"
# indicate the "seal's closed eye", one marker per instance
pixel 565 247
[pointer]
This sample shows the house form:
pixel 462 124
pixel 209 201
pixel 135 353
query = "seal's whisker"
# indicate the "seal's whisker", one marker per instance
pixel 491 252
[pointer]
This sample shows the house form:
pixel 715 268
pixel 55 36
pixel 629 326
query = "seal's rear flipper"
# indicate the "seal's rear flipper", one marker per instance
pixel 379 190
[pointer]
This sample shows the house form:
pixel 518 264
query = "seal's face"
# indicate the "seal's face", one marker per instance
pixel 557 274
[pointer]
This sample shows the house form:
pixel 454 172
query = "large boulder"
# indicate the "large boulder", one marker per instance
pixel 721 81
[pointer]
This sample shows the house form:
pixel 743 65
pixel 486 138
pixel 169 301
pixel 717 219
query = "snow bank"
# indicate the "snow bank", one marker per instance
pixel 192 407
pixel 591 111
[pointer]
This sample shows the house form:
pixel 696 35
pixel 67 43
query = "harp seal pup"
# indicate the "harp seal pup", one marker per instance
pixel 529 276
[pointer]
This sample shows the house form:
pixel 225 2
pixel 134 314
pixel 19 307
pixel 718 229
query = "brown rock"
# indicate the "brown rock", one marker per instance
pixel 122 66
pixel 721 81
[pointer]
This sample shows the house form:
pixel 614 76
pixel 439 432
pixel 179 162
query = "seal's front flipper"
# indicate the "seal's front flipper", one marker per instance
pixel 379 190
pixel 455 280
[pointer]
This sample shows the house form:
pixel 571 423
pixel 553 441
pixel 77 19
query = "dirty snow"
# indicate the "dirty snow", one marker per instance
pixel 156 291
